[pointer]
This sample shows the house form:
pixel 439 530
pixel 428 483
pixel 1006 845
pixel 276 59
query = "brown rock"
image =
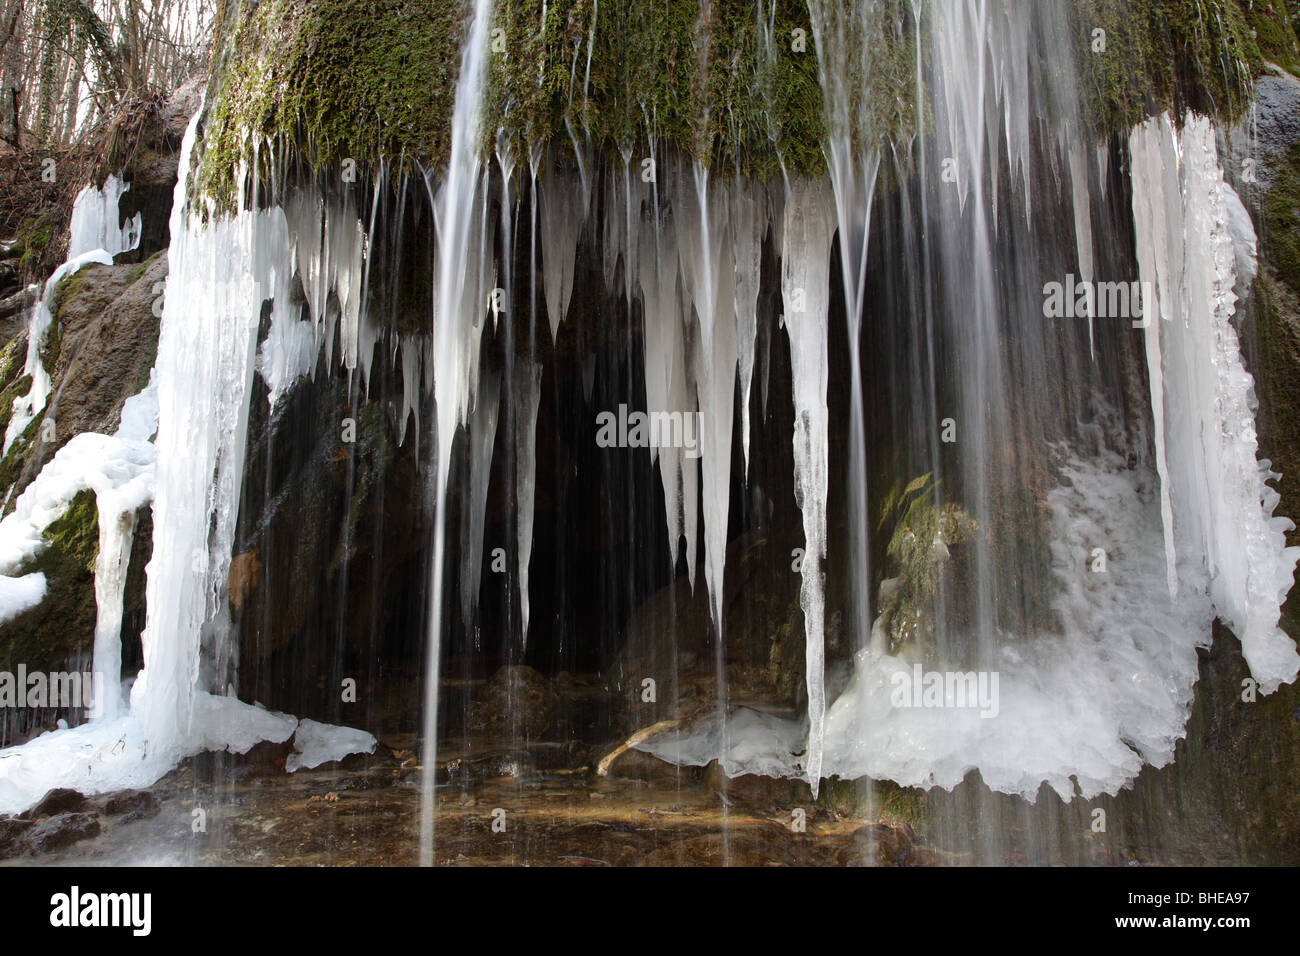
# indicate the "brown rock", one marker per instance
pixel 132 805
pixel 879 845
pixel 58 832
pixel 55 802
pixel 518 699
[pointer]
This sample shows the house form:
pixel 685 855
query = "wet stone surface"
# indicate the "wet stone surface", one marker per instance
pixel 501 804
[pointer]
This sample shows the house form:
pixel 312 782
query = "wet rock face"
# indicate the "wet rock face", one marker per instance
pixel 99 351
pixel 328 576
pixel 516 698
pixel 670 640
pixel 1277 123
pixel 63 830
pixel 879 845
pixel 55 802
pixel 145 143
pixel 12 832
pixel 132 805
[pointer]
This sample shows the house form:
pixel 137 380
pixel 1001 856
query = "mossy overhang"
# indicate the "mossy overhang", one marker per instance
pixel 320 82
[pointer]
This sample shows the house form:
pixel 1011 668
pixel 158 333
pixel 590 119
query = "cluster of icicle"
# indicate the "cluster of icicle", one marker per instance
pixel 181 443
pixel 690 240
pixel 1084 714
pixel 118 467
pixel 691 243
pixel 1196 246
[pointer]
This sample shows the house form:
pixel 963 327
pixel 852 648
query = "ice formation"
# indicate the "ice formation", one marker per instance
pixel 1080 711
pixel 528 394
pixel 806 235
pixel 316 743
pixel 27 407
pixel 1217 507
pixel 119 469
pixel 96 221
pixel 1096 704
pixel 197 403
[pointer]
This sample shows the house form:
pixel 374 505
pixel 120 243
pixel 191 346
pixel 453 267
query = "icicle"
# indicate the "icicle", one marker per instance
pixel 562 212
pixel 1216 506
pixel 528 389
pixel 414 351
pixel 116 533
pixel 748 226
pixel 665 361
pixel 805 285
pixel 1155 197
pixel 95 221
pixel 482 438
pixel 614 242
pixel 708 273
pixel 1083 226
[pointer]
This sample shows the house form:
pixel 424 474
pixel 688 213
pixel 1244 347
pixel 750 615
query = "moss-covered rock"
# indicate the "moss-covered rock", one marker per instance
pixel 1275 345
pixel 63 625
pixel 34 239
pixel 1274 34
pixel 365 80
pixel 920 529
pixel 713 83
pixel 1165 55
pixel 318 83
pixel 336 80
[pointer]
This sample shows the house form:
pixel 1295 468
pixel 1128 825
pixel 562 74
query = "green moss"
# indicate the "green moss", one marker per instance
pixel 34 237
pixel 13 357
pixel 920 530
pixel 62 625
pixel 141 268
pixel 11 466
pixel 365 80
pixel 880 800
pixel 731 95
pixel 1274 34
pixel 324 81
pixel 14 390
pixel 1164 55
pixel 341 79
